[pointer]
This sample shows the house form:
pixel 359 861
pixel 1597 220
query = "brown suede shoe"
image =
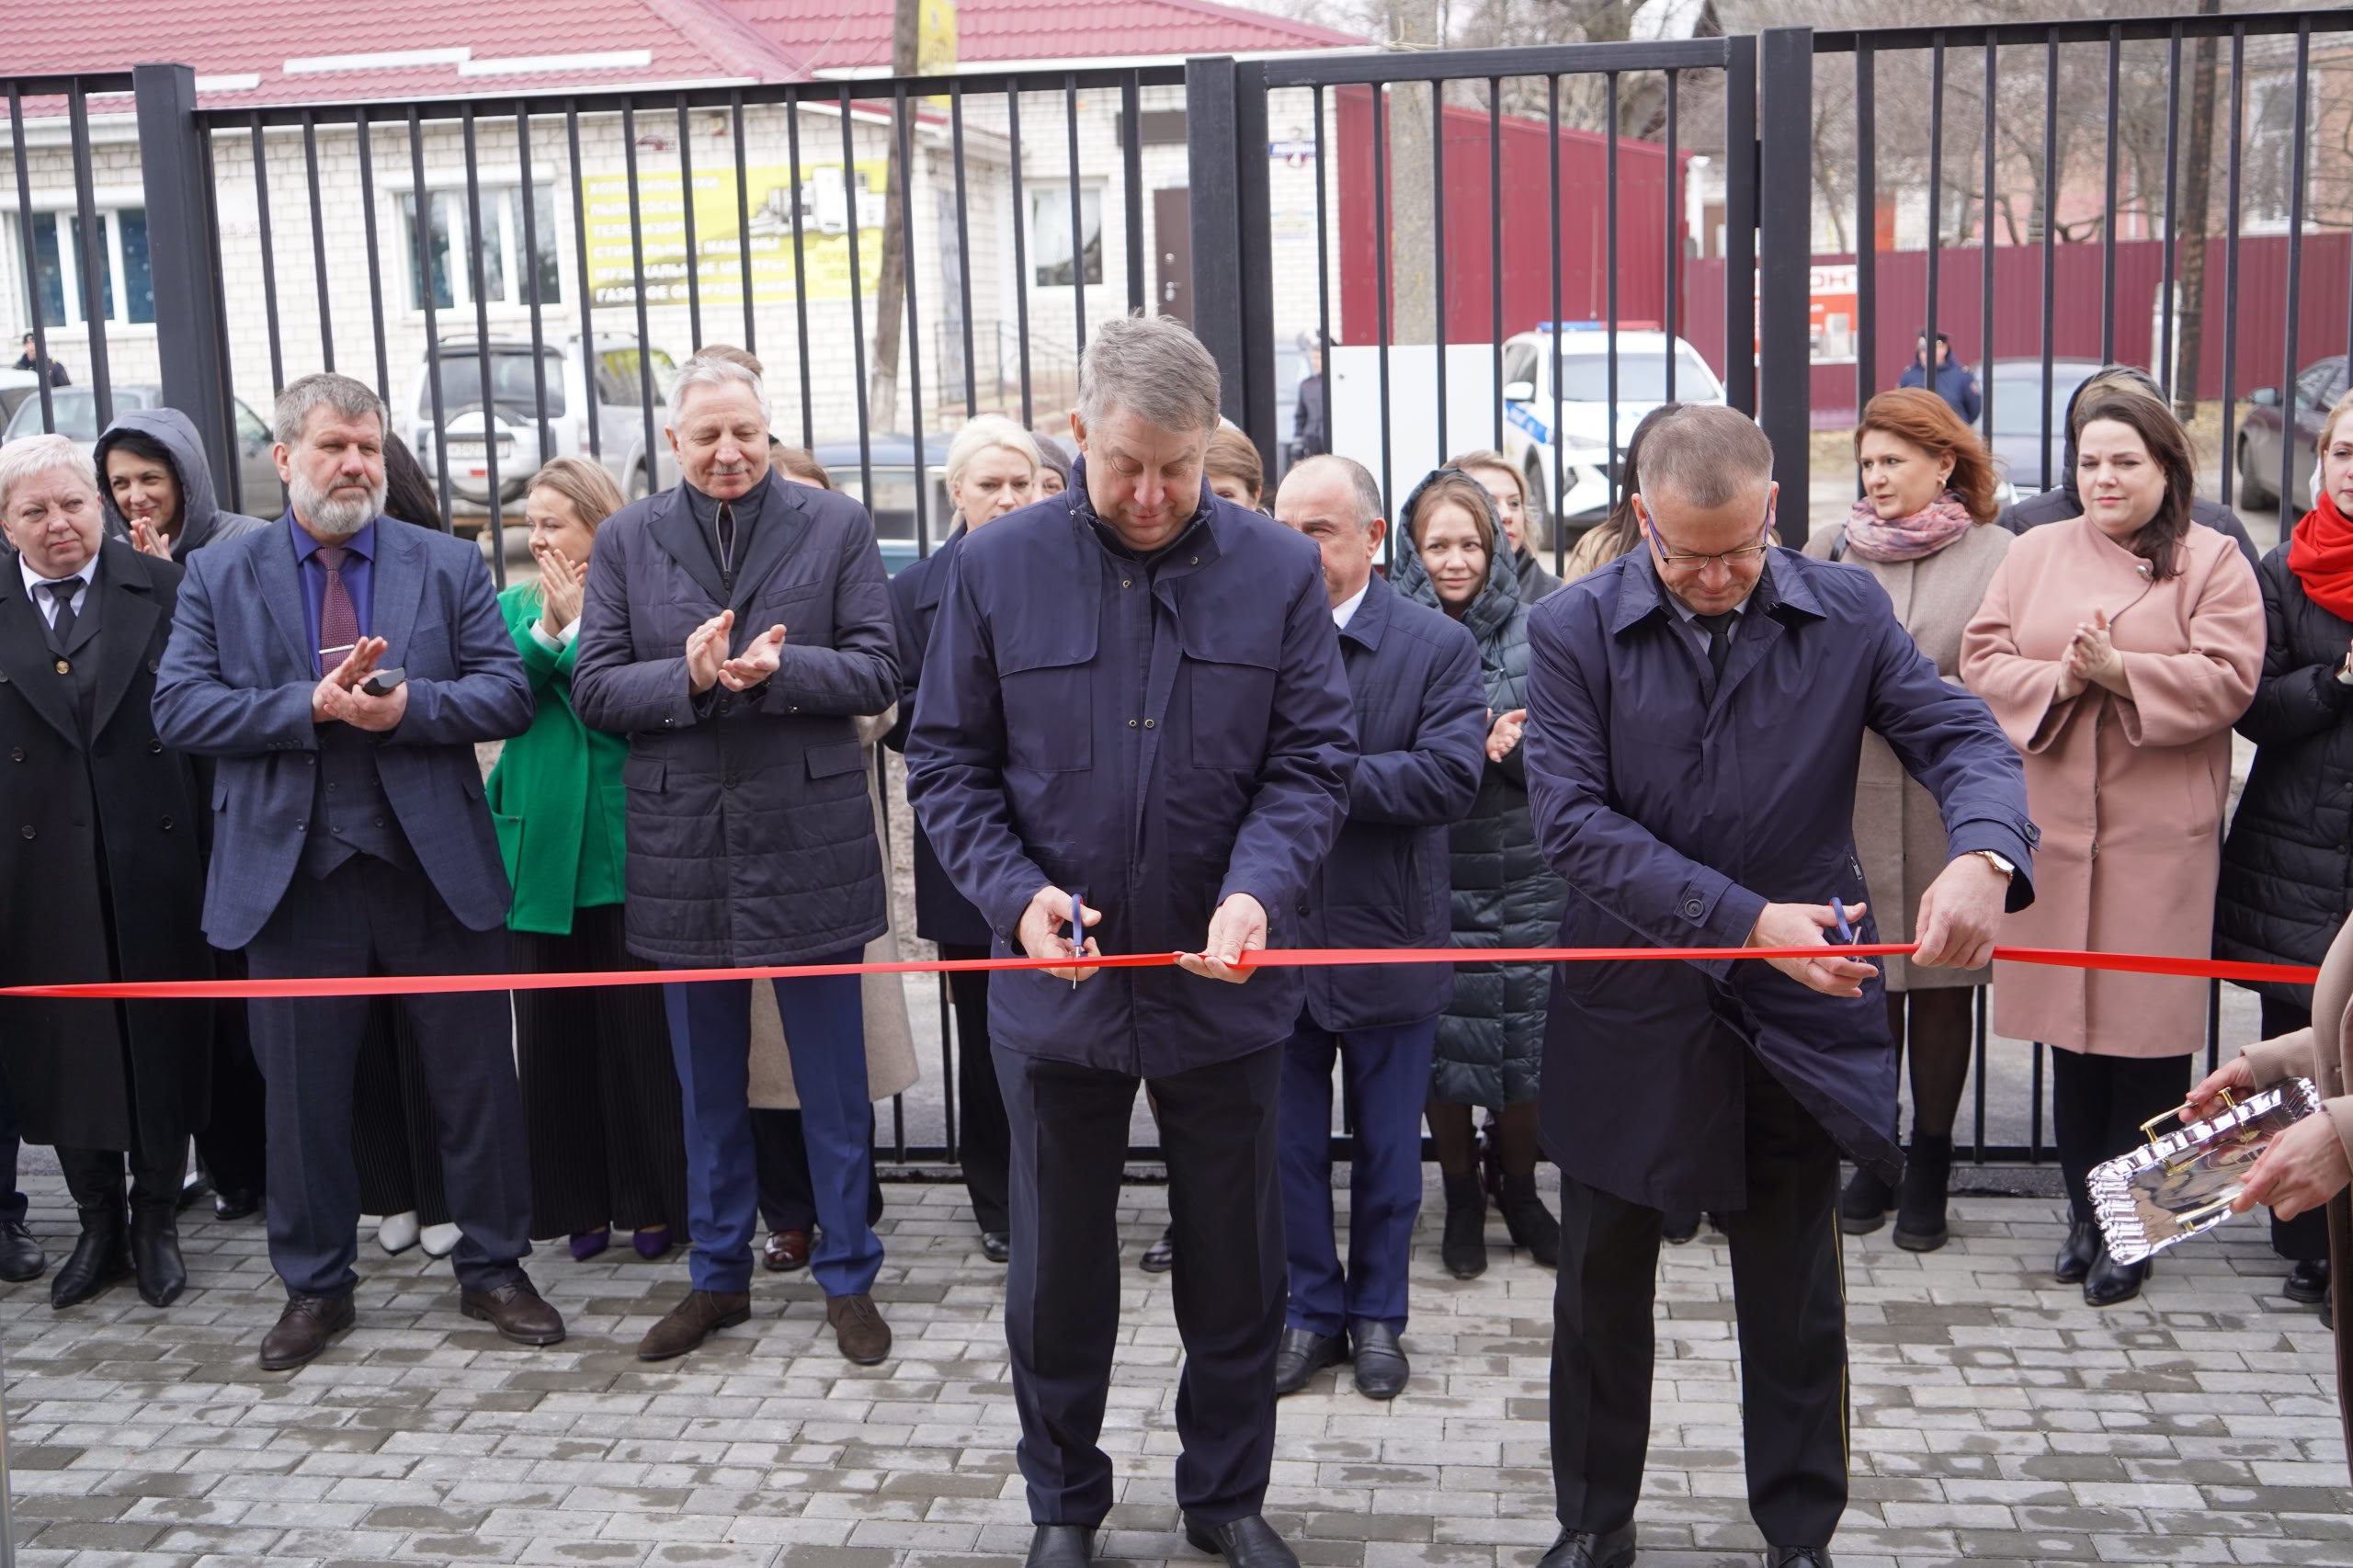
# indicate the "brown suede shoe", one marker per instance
pixel 516 1311
pixel 692 1321
pixel 859 1328
pixel 303 1330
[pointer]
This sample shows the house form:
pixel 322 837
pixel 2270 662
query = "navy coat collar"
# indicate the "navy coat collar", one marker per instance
pixel 1372 620
pixel 1786 595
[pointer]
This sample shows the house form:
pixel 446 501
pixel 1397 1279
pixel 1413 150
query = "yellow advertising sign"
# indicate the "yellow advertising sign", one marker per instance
pixel 824 204
pixel 935 37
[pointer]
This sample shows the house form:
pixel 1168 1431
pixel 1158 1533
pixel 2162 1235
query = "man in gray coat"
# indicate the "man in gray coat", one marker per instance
pixel 736 628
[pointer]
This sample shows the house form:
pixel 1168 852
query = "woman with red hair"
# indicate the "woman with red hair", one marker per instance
pixel 1920 527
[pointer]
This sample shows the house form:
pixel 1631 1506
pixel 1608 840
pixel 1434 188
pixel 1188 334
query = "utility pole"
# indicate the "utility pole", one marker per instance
pixel 891 295
pixel 1412 25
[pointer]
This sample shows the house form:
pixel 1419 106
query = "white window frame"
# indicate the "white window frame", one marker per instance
pixel 499 199
pixel 68 225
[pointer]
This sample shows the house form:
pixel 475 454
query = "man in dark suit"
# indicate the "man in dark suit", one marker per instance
pixel 1134 696
pixel 736 628
pixel 351 837
pixel 1695 714
pixel 1421 715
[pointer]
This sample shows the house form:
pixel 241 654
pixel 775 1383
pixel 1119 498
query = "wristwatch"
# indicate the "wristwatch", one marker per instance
pixel 1999 862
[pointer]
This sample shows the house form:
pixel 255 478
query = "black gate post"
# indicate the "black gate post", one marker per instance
pixel 1785 261
pixel 1740 224
pixel 1226 119
pixel 180 247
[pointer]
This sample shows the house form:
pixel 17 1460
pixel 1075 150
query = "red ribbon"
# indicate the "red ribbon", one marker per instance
pixel 1272 958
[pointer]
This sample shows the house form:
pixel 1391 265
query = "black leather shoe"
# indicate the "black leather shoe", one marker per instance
pixel 20 1255
pixel 236 1203
pixel 1590 1549
pixel 1302 1354
pixel 1863 1203
pixel 1797 1557
pixel 1248 1542
pixel 1677 1229
pixel 1161 1255
pixel 2307 1282
pixel 2077 1253
pixel 2110 1282
pixel 1061 1546
pixel 996 1247
pixel 1462 1245
pixel 303 1330
pixel 99 1258
pixel 1380 1365
pixel 156 1255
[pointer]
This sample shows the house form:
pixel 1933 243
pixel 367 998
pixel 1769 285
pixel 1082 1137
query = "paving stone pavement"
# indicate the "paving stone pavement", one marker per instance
pixel 1998 1420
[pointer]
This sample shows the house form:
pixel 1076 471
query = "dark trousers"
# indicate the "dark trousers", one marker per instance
pixel 234 1146
pixel 781 1154
pixel 2097 1104
pixel 395 1137
pixel 1385 1077
pixel 95 1176
pixel 368 916
pixel 2303 1239
pixel 981 1136
pixel 824 1027
pixel 600 1094
pixel 1788 1298
pixel 13 1205
pixel 1069 1130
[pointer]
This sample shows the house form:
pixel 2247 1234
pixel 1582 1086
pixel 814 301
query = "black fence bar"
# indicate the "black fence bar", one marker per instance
pixel 1985 260
pixel 964 294
pixel 1495 249
pixel 743 220
pixel 2231 257
pixel 2136 29
pixel 2168 306
pixel 1438 256
pixel 269 253
pixel 1380 270
pixel 364 139
pixel 1866 235
pixel 90 254
pixel 2050 255
pixel 1021 257
pixel 1552 244
pixel 1672 249
pixel 489 408
pixel 2290 394
pixel 1740 224
pixel 687 210
pixel 1077 220
pixel 648 464
pixel 580 245
pixel 1323 363
pixel 226 390
pixel 2108 205
pixel 529 202
pixel 31 261
pixel 1928 364
pixel 799 281
pixel 1610 260
pixel 1131 189
pixel 1463 65
pixel 181 229
pixel 857 291
pixel 1784 262
pixel 421 232
pixel 318 244
pixel 902 132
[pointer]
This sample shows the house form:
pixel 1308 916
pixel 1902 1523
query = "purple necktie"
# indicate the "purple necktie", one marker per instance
pixel 339 621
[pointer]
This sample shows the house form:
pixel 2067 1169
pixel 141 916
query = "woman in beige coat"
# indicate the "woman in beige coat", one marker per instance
pixel 1923 528
pixel 2307 1167
pixel 2116 649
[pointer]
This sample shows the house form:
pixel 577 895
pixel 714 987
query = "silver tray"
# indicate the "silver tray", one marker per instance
pixel 2178 1184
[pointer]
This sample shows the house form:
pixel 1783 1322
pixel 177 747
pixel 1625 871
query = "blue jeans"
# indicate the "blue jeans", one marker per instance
pixel 710 1032
pixel 1385 1073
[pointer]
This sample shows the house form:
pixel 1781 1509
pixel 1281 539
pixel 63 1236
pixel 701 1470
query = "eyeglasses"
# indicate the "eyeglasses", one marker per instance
pixel 1747 555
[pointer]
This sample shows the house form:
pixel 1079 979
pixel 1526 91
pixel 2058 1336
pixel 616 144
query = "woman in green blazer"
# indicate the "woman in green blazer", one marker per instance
pixel 600 1096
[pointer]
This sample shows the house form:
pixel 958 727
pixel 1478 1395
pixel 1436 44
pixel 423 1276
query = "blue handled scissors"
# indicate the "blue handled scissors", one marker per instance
pixel 1077 932
pixel 1845 931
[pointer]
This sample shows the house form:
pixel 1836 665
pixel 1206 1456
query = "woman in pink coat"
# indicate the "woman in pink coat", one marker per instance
pixel 2116 649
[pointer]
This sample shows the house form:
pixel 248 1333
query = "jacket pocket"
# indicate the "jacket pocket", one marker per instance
pixel 1229 671
pixel 1049 716
pixel 644 773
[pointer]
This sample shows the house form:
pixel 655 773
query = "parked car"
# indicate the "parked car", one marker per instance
pixel 891 459
pixel 2260 427
pixel 609 395
pixel 1580 361
pixel 259 490
pixel 2014 387
pixel 16 387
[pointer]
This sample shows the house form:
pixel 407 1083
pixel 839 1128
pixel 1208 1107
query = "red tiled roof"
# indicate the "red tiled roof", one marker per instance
pixel 848 34
pixel 479 49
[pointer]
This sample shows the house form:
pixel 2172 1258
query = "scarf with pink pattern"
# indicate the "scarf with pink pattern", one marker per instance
pixel 1925 532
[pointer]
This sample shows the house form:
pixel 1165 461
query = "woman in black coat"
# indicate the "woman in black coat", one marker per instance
pixel 102 860
pixel 2288 864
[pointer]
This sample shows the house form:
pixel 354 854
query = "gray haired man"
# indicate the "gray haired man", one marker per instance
pixel 1133 702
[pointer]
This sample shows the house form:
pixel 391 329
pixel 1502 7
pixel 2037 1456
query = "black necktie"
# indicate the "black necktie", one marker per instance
pixel 1719 639
pixel 61 595
pixel 726 537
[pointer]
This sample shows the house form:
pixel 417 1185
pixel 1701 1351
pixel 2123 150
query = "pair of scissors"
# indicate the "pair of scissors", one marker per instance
pixel 1077 932
pixel 1845 931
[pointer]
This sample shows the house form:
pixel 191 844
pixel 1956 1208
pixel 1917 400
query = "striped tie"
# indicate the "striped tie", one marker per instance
pixel 339 621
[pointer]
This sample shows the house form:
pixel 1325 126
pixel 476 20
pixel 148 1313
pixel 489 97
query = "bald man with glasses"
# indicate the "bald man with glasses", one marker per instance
pixel 1696 708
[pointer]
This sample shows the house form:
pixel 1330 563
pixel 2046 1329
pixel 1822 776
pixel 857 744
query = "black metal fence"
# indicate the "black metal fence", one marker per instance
pixel 1522 248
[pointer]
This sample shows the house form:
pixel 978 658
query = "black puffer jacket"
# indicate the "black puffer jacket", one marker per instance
pixel 2288 864
pixel 2065 500
pixel 1492 1037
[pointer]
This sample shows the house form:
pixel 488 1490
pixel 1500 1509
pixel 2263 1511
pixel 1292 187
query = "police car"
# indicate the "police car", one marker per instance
pixel 1581 364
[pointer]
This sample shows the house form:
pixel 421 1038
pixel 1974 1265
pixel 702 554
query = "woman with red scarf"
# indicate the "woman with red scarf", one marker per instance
pixel 2288 864
pixel 1920 527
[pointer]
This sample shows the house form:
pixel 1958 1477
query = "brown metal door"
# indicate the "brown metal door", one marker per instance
pixel 1172 226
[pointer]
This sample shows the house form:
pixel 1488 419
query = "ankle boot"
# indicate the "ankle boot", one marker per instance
pixel 1530 1223
pixel 1463 1246
pixel 156 1254
pixel 100 1257
pixel 1863 1206
pixel 1920 1218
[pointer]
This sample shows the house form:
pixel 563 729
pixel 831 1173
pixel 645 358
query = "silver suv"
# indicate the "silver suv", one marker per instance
pixel 609 392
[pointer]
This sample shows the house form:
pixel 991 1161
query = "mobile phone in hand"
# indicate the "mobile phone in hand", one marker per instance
pixel 383 683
